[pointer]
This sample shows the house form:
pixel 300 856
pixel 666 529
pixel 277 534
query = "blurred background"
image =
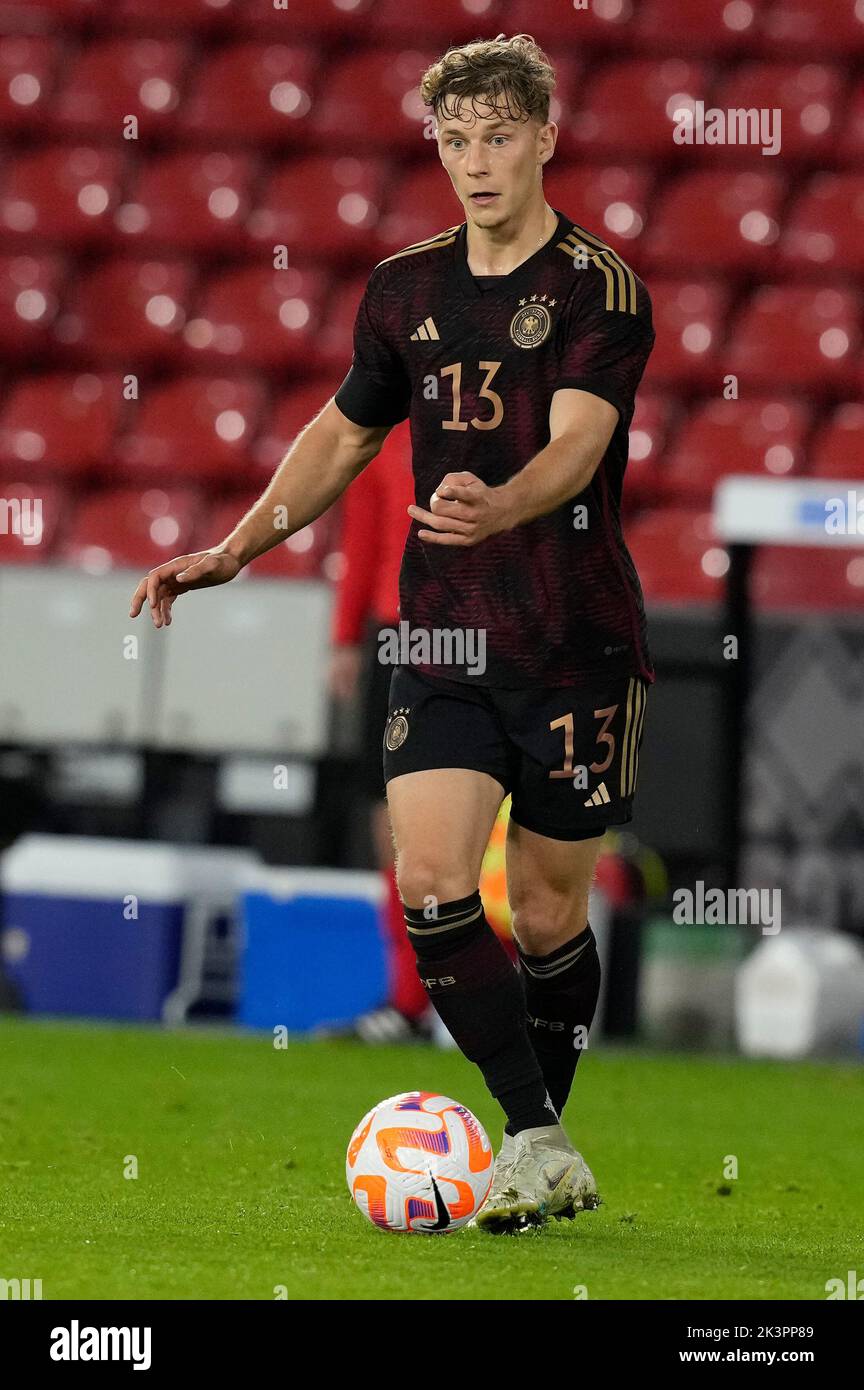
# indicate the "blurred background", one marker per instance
pixel 192 196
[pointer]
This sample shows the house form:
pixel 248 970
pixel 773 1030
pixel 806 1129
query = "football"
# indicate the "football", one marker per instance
pixel 419 1163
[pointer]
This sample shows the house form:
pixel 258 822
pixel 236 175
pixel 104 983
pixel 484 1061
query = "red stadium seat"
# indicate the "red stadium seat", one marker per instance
pixel 29 297
pixel 604 25
pixel 814 28
pixel 32 514
pixel 131 527
pixel 677 556
pixel 39 16
pixel 850 148
pixel 320 207
pixel 444 22
pixel 689 323
pixel 422 203
pixel 335 342
pixel 715 220
pixel 808 579
pixel 301 556
pixel 252 94
pixel 610 200
pixel 61 424
pixel 825 228
pixel 765 437
pixel 628 108
pixel 340 20
pixel 289 416
pixel 193 428
pixel 837 450
pixel 796 336
pixel 111 79
pixel 370 101
pixel 649 428
pixel 259 317
pixel 188 201
pixel 810 97
pixel 169 17
pixel 126 312
pixel 61 195
pixel 712 28
pixel 28 68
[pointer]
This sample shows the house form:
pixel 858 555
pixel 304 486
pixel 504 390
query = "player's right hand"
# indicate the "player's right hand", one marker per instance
pixel 161 586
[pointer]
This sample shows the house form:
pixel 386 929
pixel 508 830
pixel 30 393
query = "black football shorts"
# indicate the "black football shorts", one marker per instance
pixel 568 755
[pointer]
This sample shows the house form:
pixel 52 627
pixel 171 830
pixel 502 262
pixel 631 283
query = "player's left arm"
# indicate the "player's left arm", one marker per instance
pixel 464 510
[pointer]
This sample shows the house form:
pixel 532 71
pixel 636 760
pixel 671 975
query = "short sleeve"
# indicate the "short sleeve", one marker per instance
pixel 377 389
pixel 606 337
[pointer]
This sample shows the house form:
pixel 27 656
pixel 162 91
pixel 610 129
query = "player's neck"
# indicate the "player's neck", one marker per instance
pixel 499 250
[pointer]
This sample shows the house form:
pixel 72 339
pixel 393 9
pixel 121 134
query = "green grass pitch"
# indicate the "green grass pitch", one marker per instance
pixel 241 1192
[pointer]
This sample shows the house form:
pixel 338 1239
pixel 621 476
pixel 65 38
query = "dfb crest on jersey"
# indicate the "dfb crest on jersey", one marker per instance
pixel 530 325
pixel 397 730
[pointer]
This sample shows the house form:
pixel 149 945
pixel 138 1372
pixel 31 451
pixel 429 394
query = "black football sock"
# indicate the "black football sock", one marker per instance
pixel 561 992
pixel 478 995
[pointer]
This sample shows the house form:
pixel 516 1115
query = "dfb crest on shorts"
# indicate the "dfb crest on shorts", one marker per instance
pixel 397 730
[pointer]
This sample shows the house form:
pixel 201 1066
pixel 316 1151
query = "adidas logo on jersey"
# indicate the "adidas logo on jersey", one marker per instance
pixel 600 797
pixel 425 332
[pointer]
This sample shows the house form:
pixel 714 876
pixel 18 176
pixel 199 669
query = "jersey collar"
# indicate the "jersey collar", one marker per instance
pixel 517 276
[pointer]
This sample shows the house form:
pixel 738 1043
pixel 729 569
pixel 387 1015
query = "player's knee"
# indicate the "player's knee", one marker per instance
pixel 543 919
pixel 424 881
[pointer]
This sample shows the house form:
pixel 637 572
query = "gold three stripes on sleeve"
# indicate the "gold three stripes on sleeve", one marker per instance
pixel 620 280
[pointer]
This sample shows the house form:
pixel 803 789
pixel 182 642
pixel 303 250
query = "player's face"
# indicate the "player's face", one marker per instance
pixel 494 162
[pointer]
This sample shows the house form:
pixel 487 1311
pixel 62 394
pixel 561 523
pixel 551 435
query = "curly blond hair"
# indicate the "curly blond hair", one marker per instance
pixel 513 76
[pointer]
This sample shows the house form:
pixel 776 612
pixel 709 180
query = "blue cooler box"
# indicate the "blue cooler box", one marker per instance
pixel 313 949
pixel 94 926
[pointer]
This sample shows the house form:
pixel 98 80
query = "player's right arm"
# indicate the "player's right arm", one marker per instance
pixel 323 460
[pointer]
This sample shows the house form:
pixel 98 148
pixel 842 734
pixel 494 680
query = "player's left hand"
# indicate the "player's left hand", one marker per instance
pixel 463 511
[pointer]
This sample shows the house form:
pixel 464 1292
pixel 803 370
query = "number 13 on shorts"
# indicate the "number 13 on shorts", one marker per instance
pixel 600 744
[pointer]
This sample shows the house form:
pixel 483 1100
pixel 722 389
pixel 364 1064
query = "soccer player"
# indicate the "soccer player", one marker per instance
pixel 514 341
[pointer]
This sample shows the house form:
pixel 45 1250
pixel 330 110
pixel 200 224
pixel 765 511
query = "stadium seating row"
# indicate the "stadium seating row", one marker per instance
pixel 136 314
pixel 280 95
pixel 225 433
pixel 91 198
pixel 798 28
pixel 142 527
pixel 676 554
pixel 153 255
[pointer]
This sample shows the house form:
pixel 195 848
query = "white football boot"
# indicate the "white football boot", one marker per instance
pixel 505 1156
pixel 542 1176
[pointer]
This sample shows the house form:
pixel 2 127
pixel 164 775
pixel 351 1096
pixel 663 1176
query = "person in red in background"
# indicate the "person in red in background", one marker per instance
pixel 375 523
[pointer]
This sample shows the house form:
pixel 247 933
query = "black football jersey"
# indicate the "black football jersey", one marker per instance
pixel 475 368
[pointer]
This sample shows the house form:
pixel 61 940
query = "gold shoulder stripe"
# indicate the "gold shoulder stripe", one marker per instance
pixel 611 255
pixel 620 280
pixel 628 278
pixel 445 238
